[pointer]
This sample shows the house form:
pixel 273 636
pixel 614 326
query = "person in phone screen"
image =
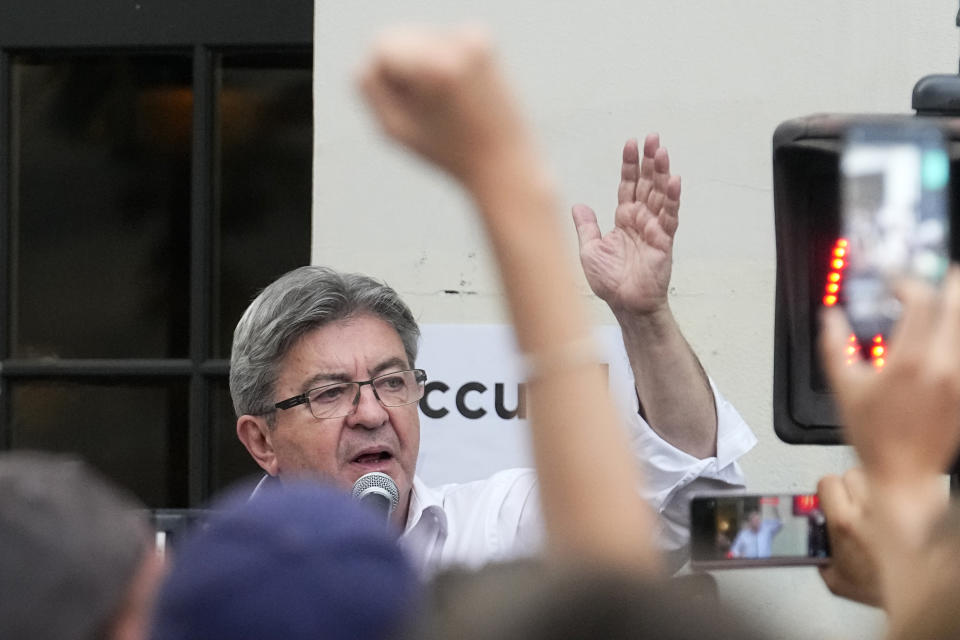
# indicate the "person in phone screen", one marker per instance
pixel 755 539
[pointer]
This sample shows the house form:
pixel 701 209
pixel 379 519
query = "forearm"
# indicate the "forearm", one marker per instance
pixel 905 514
pixel 674 391
pixel 588 478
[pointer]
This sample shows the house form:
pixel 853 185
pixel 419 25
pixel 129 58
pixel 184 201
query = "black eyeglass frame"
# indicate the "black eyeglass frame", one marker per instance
pixel 419 375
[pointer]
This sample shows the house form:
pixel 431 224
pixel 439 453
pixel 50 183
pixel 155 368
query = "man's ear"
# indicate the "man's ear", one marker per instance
pixel 254 433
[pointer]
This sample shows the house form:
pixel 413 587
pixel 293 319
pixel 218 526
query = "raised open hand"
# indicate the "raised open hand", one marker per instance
pixel 629 267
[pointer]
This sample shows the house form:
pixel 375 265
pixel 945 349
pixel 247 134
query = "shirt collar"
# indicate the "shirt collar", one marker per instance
pixel 423 500
pixel 426 530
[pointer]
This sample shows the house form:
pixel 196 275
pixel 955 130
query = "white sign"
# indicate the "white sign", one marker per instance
pixel 472 414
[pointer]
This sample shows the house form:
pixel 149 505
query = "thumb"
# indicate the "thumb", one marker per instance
pixel 585 220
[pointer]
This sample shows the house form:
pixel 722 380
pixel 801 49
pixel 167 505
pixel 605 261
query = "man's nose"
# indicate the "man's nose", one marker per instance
pixel 368 413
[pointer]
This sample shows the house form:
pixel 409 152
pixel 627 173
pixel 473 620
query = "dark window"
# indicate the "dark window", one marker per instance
pixel 155 168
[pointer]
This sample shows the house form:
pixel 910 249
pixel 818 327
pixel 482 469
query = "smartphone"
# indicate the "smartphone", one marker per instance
pixel 895 220
pixel 733 531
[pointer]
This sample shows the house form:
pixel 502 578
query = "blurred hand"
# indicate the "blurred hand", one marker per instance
pixel 852 573
pixel 629 268
pixel 440 93
pixel 904 419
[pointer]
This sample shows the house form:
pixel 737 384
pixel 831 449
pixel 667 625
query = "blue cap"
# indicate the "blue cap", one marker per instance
pixel 296 561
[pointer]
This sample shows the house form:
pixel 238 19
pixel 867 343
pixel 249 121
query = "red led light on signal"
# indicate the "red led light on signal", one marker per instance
pixel 837 263
pixel 833 287
pixel 829 300
pixel 805 505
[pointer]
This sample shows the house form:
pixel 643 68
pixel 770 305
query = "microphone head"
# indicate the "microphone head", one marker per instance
pixel 377 486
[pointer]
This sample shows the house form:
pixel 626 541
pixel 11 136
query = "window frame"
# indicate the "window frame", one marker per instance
pixel 205 29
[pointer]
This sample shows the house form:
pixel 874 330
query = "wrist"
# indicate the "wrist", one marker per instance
pixel 647 327
pixel 908 509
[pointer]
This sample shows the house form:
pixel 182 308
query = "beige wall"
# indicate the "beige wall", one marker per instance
pixel 714 78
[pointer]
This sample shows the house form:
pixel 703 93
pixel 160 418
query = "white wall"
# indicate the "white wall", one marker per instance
pixel 714 78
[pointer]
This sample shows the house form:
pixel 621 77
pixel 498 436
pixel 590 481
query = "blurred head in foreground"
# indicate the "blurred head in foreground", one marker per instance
pixel 529 600
pixel 76 559
pixel 296 561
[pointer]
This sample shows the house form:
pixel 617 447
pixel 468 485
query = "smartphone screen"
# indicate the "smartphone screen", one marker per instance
pixel 734 531
pixel 895 223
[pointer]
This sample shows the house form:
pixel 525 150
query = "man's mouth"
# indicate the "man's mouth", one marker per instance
pixel 370 458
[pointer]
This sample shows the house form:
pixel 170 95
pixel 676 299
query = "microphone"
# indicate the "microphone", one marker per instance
pixel 379 491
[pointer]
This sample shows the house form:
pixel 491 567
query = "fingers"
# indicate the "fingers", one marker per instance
pixel 947 335
pixel 439 92
pixel 842 499
pixel 650 144
pixel 661 168
pixel 383 99
pixel 401 62
pixel 657 195
pixel 912 333
pixel 645 182
pixel 834 340
pixel 830 578
pixel 670 213
pixel 629 173
pixel 857 486
pixel 585 220
pixel 425 57
pixel 834 499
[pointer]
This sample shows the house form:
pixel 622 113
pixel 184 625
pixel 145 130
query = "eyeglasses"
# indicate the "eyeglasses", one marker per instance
pixel 340 399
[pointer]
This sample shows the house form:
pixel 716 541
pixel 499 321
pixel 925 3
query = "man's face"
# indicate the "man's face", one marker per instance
pixel 372 438
pixel 755 520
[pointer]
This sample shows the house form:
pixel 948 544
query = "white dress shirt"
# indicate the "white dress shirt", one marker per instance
pixel 756 544
pixel 499 519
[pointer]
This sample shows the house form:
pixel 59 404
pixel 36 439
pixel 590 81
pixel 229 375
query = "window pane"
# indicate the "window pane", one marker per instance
pixel 101 206
pixel 265 151
pixel 135 434
pixel 231 462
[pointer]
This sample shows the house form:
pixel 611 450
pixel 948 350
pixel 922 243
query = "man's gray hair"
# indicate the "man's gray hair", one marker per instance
pixel 71 544
pixel 293 305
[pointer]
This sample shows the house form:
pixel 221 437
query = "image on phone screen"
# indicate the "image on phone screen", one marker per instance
pixel 895 219
pixel 734 531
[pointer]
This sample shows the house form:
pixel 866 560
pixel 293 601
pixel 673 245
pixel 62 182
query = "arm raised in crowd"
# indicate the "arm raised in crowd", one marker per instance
pixel 904 421
pixel 441 94
pixel 629 268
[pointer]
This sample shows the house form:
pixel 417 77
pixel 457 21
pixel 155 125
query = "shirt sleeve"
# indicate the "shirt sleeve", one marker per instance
pixel 672 476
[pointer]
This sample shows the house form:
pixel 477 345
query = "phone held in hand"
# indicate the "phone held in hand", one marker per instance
pixel 733 531
pixel 895 221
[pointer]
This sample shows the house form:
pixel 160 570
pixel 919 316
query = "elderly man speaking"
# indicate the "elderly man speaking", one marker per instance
pixel 325 383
